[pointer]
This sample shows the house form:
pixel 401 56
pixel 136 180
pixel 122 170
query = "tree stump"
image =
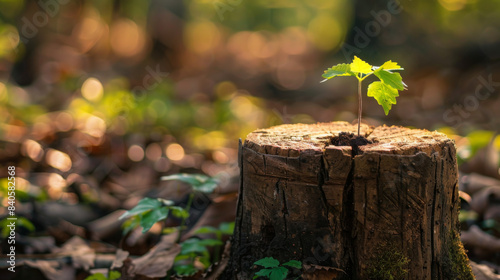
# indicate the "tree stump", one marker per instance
pixel 386 210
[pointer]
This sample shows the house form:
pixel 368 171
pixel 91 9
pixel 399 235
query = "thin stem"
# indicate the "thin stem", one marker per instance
pixel 360 105
pixel 217 248
pixel 187 208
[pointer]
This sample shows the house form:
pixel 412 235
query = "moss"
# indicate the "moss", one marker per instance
pixel 457 264
pixel 389 264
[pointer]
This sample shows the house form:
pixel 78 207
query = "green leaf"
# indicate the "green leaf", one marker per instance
pixel 206 229
pixel 384 94
pixel 338 70
pixel 267 262
pixel 294 263
pixel 150 218
pixel 97 276
pixel 360 66
pixel 144 205
pixel 208 186
pixel 278 273
pixel 179 212
pixel 265 272
pixel 185 270
pixel 199 182
pixel 392 79
pixel 210 242
pixel 20 222
pixel 23 222
pixel 113 275
pixel 227 228
pixel 194 245
pixel 389 65
pixel 130 224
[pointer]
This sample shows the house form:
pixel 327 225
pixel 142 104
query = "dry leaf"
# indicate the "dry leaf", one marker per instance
pixel 159 259
pixel 485 198
pixel 82 255
pixel 120 257
pixel 483 272
pixel 476 238
pixel 474 182
pixel 52 271
pixel 318 272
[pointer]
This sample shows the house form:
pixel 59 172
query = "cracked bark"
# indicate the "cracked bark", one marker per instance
pixel 303 198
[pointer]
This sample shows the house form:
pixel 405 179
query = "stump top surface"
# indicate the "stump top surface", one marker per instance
pixel 292 139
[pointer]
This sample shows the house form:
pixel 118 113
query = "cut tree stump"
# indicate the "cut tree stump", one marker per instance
pixel 386 210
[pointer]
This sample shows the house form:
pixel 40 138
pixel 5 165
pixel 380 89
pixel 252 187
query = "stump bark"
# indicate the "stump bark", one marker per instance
pixel 386 210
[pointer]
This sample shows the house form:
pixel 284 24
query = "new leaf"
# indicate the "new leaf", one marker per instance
pixel 384 94
pixel 392 79
pixel 360 66
pixel 385 91
pixel 338 70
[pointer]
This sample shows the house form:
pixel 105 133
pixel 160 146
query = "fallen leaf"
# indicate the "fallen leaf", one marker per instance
pixel 52 269
pixel 484 199
pixel 159 259
pixel 472 183
pixel 318 272
pixel 120 257
pixel 483 272
pixel 476 238
pixel 81 254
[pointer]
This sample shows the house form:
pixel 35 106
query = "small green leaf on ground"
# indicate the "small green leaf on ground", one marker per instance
pixel 278 273
pixel 294 263
pixel 199 182
pixel 114 275
pixel 97 276
pixel 265 272
pixel 150 218
pixel 144 205
pixel 268 262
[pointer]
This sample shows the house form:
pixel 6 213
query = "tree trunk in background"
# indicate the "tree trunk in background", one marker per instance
pixel 387 209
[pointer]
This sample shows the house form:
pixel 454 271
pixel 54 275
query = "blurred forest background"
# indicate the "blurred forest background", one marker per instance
pixel 100 98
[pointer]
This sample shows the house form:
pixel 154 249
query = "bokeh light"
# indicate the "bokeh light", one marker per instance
pixel 58 160
pixel 92 89
pixel 126 38
pixel 175 152
pixel 135 153
pixel 33 150
pixel 153 151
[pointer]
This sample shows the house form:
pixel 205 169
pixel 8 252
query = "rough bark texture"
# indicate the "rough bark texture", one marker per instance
pixel 387 209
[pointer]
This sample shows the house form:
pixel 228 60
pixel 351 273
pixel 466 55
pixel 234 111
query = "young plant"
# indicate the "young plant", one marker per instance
pixel 194 256
pixel 199 183
pixel 224 228
pixel 113 275
pixel 150 211
pixel 20 222
pixel 273 270
pixel 195 251
pixel 384 91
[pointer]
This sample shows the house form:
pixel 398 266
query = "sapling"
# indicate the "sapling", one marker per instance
pixel 384 91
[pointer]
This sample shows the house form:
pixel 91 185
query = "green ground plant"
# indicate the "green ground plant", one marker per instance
pixel 113 275
pixel 194 255
pixel 273 270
